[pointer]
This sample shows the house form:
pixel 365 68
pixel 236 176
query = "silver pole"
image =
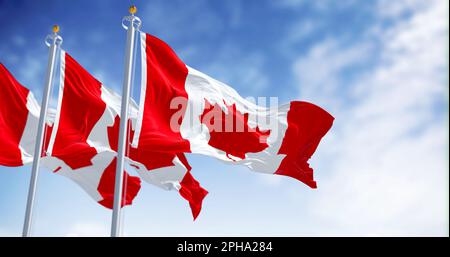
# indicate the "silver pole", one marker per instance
pixel 55 42
pixel 134 24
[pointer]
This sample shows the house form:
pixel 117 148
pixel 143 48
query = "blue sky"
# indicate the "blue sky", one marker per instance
pixel 380 67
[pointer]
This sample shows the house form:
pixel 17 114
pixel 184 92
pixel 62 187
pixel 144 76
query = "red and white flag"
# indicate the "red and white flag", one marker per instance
pixel 79 147
pixel 81 137
pixel 184 110
pixel 84 143
pixel 91 168
pixel 181 111
pixel 19 116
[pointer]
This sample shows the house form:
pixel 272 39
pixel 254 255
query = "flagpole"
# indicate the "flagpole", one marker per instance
pixel 134 24
pixel 53 41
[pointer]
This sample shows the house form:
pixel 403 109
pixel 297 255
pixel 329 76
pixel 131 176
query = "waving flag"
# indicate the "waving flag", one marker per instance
pixel 19 114
pixel 78 147
pixel 81 139
pixel 184 110
pixel 84 143
pixel 181 111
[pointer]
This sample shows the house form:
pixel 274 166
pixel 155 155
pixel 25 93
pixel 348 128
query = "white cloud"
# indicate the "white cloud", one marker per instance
pixel 239 68
pixel 18 40
pixel 395 9
pixel 318 5
pixel 31 73
pixel 297 32
pixel 234 10
pixel 88 229
pixel 319 71
pixel 385 157
pixel 167 20
pixel 229 63
pixel 270 180
pixel 6 233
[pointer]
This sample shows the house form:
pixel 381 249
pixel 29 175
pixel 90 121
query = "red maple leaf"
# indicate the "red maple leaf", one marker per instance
pixel 230 131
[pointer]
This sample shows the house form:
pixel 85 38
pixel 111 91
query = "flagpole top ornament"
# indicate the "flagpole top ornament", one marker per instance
pixel 132 19
pixel 55 29
pixel 132 9
pixel 54 38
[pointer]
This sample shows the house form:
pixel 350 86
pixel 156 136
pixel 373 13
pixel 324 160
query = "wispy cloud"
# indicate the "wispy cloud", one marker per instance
pixel 380 67
pixel 175 19
pixel 385 160
pixel 323 72
pixel 88 229
pixel 5 233
pixel 318 5
pixel 240 69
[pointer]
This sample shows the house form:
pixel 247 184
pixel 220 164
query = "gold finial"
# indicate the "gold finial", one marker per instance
pixel 55 28
pixel 132 9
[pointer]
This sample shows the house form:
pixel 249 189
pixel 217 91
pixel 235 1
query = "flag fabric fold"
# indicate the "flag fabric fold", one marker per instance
pixel 93 169
pixel 181 111
pixel 19 112
pixel 80 139
pixel 78 147
pixel 205 116
pixel 85 136
pixel 164 80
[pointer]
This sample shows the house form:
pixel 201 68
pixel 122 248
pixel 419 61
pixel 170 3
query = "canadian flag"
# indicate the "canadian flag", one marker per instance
pixel 184 110
pixel 79 147
pixel 19 115
pixel 181 110
pixel 91 168
pixel 85 136
pixel 81 139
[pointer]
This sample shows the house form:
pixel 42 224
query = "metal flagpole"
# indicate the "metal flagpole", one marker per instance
pixel 53 41
pixel 134 25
